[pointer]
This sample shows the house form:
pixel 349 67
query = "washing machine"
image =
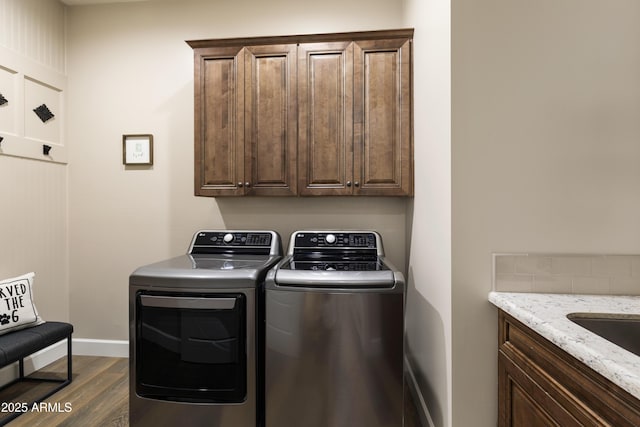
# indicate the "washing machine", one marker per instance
pixel 334 333
pixel 196 332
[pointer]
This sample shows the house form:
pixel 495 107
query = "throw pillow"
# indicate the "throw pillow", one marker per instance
pixel 17 309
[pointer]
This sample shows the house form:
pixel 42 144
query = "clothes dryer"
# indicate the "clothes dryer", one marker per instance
pixel 196 332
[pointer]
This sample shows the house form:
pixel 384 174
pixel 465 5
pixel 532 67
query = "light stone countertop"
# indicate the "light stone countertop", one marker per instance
pixel 546 315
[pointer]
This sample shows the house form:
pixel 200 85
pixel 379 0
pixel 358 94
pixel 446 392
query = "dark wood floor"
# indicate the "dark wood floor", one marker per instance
pixel 98 396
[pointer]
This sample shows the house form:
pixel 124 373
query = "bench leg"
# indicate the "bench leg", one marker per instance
pixel 62 383
pixel 69 359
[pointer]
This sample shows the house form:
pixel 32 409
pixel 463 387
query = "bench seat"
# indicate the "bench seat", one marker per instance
pixel 15 346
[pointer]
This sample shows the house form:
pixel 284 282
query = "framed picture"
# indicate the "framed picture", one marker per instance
pixel 137 149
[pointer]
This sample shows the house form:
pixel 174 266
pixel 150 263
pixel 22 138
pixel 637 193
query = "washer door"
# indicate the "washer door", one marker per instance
pixel 191 347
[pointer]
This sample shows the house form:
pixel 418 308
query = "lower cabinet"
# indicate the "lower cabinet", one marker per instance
pixel 541 385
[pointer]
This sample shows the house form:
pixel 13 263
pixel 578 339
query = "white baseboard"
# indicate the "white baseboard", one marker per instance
pixel 79 347
pixel 106 348
pixel 421 406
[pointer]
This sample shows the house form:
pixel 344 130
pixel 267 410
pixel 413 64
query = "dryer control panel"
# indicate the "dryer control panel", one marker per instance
pixel 230 241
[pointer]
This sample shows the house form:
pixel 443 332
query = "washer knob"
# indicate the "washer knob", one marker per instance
pixel 228 238
pixel 330 239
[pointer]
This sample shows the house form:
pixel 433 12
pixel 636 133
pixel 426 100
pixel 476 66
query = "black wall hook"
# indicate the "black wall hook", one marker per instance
pixel 44 113
pixel 1 139
pixel 45 149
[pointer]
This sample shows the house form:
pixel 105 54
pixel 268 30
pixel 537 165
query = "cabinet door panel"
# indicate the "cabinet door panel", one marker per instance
pixel 271 120
pixel 382 128
pixel 219 118
pixel 325 91
pixel 525 412
pixel 523 403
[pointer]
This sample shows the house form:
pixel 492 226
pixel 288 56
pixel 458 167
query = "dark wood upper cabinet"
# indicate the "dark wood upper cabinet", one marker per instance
pixel 326 114
pixel 383 163
pixel 270 118
pixel 245 120
pixel 325 111
pixel 219 121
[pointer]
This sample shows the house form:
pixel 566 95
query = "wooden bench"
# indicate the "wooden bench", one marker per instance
pixel 15 346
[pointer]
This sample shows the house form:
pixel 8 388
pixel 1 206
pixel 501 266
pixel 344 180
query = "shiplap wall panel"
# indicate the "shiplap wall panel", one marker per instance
pixel 32 45
pixel 35 29
pixel 33 194
pixel 33 229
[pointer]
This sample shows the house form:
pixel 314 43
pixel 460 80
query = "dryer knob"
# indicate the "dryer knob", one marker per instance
pixel 228 238
pixel 330 239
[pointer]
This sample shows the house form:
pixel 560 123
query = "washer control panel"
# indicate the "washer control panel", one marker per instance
pixel 338 239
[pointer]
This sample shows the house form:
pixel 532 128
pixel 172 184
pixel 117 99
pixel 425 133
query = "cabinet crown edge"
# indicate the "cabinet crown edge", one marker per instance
pixel 406 33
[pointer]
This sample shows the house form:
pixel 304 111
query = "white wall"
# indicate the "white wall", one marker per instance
pixel 429 292
pixel 130 71
pixel 546 150
pixel 33 194
pixel 34 29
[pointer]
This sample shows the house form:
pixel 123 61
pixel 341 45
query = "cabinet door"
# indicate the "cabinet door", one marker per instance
pixel 325 105
pixel 523 403
pixel 270 120
pixel 383 162
pixel 219 121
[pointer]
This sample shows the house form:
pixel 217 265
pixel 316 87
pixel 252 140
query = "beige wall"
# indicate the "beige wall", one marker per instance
pixel 428 313
pixel 33 194
pixel 130 71
pixel 546 150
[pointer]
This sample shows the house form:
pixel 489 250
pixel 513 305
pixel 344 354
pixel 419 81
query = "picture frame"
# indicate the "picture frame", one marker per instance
pixel 137 149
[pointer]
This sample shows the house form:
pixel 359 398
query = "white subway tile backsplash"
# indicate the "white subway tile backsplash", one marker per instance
pixel 533 265
pixel 567 273
pixel 591 285
pixel 611 266
pixel 571 265
pixel 552 284
pixel 516 283
pixel 625 286
pixel 635 267
pixel 505 264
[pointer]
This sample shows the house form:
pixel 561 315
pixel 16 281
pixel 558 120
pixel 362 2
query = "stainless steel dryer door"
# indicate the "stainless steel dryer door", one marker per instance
pixel 334 357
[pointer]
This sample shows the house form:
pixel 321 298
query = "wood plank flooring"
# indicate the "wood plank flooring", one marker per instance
pixel 98 396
